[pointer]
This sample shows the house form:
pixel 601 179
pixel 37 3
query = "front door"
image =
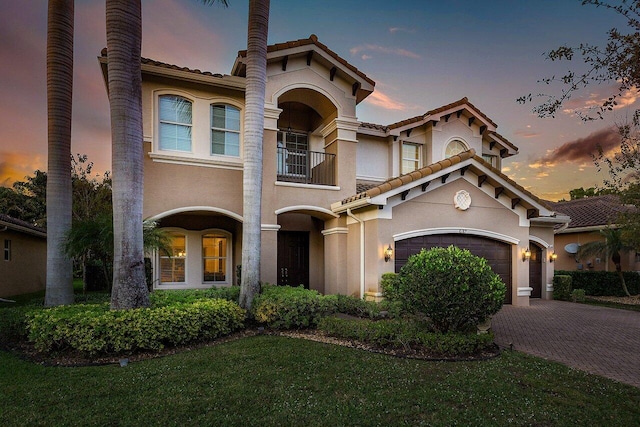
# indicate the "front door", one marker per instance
pixel 293 258
pixel 535 271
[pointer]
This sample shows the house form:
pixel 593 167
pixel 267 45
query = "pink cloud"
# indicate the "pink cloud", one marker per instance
pixel 379 99
pixel 384 50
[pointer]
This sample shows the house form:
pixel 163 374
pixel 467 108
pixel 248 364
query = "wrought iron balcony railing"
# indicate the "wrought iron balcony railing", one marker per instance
pixel 306 167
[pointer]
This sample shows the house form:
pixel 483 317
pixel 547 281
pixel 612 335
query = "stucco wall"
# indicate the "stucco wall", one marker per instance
pixel 26 271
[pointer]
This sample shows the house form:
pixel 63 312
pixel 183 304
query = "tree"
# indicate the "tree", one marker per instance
pixel 610 247
pixel 124 39
pixel 59 282
pixel 27 200
pixel 256 81
pixel 618 61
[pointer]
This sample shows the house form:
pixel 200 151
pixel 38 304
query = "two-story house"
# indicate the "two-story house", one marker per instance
pixel 343 201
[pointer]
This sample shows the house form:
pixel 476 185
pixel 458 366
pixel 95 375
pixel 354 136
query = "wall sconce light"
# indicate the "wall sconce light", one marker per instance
pixel 553 257
pixel 526 254
pixel 388 253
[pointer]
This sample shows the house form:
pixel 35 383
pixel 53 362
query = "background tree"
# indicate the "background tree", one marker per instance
pixel 618 61
pixel 610 247
pixel 124 39
pixel 59 282
pixel 27 200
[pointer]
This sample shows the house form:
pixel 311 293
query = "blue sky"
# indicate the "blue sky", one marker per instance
pixel 420 54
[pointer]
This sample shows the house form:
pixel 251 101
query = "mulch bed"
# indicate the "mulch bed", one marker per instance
pixel 27 352
pixel 632 300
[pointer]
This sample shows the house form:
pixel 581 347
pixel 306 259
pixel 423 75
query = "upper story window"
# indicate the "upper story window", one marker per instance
pixel 225 130
pixel 410 157
pixel 492 160
pixel 455 147
pixel 175 123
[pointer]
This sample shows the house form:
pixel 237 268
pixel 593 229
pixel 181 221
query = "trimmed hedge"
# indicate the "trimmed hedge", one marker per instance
pixel 94 329
pixel 168 297
pixel 13 323
pixel 285 307
pixel 562 287
pixel 406 334
pixel 602 283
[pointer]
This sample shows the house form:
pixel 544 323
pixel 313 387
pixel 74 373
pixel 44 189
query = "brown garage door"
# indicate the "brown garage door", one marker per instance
pixel 497 254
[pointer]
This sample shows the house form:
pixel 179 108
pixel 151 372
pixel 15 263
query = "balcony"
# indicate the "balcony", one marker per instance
pixel 305 167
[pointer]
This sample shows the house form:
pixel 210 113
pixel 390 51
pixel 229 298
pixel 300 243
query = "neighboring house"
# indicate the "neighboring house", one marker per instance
pixel 23 263
pixel 588 216
pixel 343 201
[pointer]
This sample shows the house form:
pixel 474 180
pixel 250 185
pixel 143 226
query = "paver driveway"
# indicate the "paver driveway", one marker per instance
pixel 599 340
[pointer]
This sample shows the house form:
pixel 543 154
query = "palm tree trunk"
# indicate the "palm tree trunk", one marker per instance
pixel 622 281
pixel 124 39
pixel 256 81
pixel 59 284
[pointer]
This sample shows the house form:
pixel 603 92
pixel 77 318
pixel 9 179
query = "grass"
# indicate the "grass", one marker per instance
pixel 277 381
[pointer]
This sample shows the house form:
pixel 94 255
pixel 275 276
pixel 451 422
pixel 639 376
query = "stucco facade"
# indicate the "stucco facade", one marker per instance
pixel 337 192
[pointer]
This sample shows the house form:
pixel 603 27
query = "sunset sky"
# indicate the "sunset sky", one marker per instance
pixel 421 55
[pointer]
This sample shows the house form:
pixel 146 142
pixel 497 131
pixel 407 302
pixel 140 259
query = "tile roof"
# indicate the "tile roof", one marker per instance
pixel 313 40
pixel 148 61
pixel 394 183
pixel 439 110
pixel 591 211
pixel 9 220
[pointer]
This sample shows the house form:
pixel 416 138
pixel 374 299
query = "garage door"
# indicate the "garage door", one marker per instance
pixel 497 254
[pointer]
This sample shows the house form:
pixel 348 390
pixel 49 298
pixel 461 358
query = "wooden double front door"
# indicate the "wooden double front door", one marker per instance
pixel 293 258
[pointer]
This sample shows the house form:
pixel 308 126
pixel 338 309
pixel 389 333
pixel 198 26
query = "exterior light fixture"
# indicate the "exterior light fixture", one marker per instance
pixel 553 257
pixel 388 253
pixel 526 254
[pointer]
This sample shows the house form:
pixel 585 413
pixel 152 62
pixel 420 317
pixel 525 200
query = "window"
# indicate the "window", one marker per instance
pixel 225 130
pixel 214 257
pixel 7 250
pixel 172 268
pixel 175 123
pixel 455 147
pixel 492 160
pixel 410 157
pixel 292 153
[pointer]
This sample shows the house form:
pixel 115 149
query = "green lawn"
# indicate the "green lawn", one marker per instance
pixel 276 381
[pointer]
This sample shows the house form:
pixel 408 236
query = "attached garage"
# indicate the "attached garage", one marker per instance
pixel 497 254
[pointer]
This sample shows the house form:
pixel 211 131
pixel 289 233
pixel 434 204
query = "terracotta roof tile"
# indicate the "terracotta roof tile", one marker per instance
pixel 313 39
pixel 439 110
pixel 148 61
pixel 591 211
pixel 396 182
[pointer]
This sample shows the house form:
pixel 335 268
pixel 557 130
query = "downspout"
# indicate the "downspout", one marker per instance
pixel 361 250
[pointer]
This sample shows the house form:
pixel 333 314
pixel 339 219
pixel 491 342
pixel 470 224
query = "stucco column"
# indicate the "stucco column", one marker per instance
pixel 269 254
pixel 335 257
pixel 340 139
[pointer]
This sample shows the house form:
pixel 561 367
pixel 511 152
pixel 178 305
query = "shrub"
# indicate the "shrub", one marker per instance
pixel 13 323
pixel 168 297
pixel 603 283
pixel 390 284
pixel 455 289
pixel 561 287
pixel 578 295
pixel 285 307
pixel 405 334
pixel 94 329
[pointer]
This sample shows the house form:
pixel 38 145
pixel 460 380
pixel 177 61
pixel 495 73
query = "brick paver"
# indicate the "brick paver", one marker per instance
pixel 599 340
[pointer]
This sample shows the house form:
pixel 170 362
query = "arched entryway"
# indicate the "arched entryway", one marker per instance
pixel 497 254
pixel 535 270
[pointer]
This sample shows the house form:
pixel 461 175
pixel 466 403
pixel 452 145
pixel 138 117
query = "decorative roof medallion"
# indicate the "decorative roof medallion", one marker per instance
pixel 462 200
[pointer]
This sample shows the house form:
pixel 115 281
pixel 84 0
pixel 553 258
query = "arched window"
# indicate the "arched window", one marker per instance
pixel 172 268
pixel 175 123
pixel 225 130
pixel 455 147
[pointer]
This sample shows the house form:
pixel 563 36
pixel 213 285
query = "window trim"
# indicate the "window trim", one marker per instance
pixel 417 161
pixel 225 130
pixel 162 284
pixel 228 257
pixel 159 122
